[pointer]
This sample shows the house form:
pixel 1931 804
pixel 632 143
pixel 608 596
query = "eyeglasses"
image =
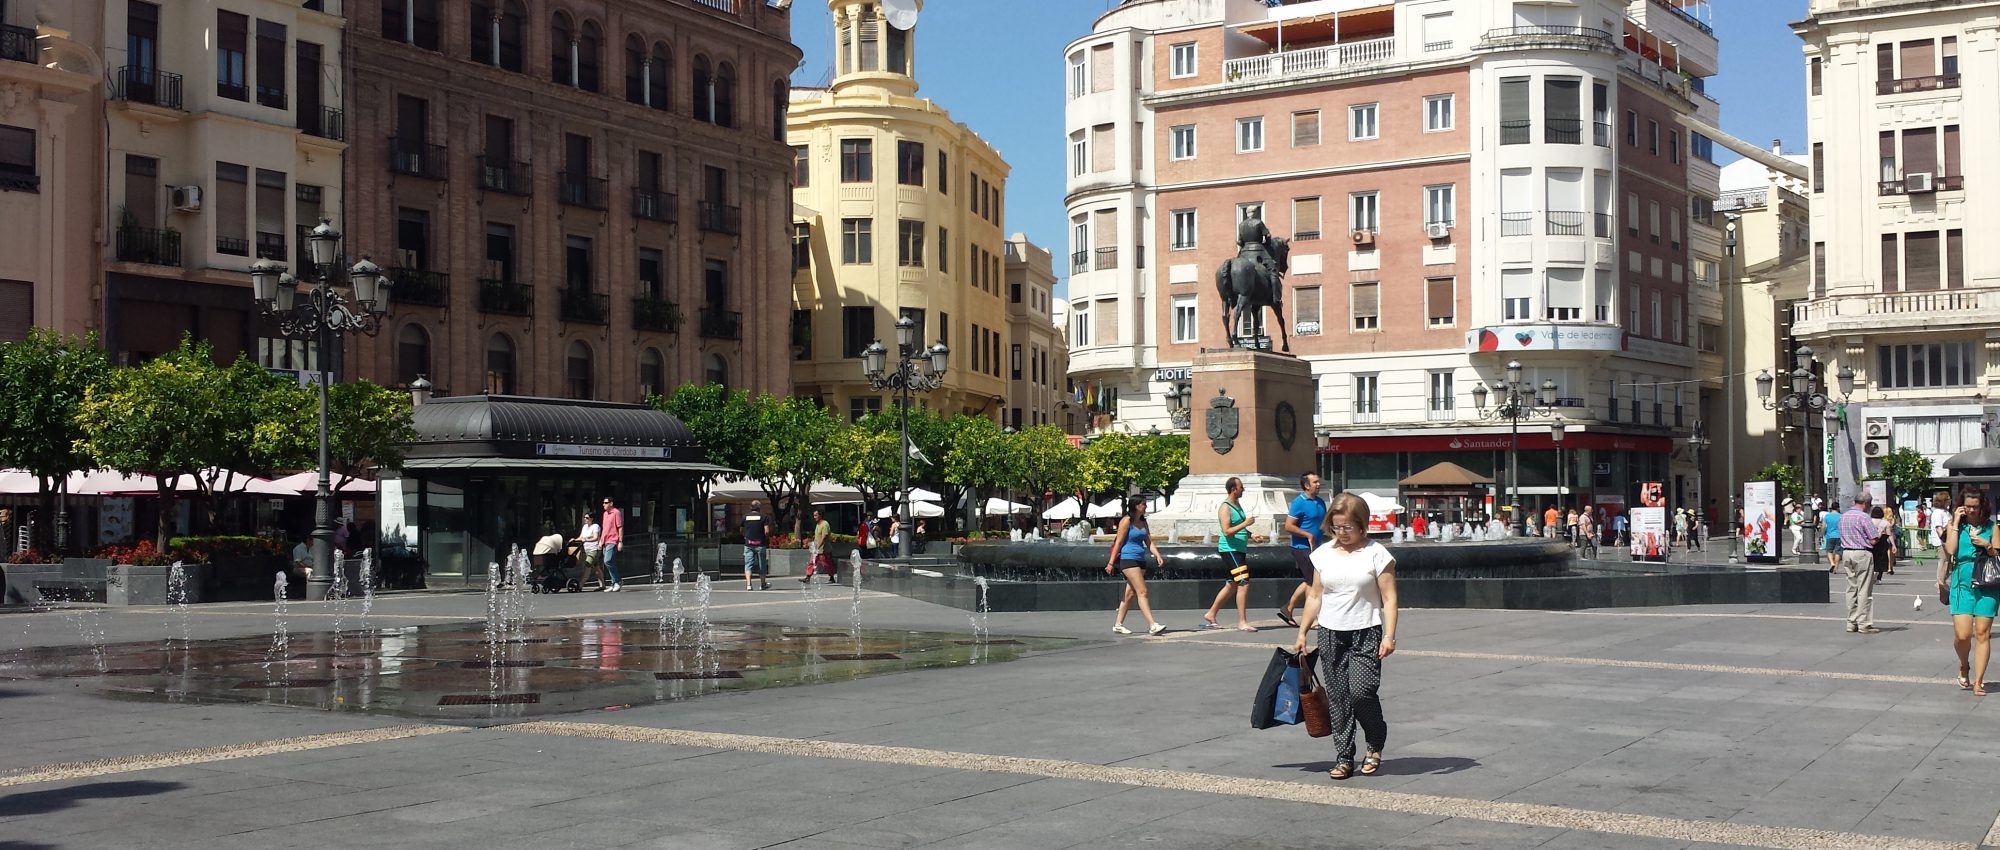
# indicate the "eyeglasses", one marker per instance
pixel 1343 529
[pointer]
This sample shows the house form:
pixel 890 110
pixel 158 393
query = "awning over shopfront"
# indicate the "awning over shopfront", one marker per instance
pixel 1446 474
pixel 530 433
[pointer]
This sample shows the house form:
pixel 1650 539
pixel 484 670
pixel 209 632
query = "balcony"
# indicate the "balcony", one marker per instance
pixel 302 265
pixel 419 287
pixel 1367 412
pixel 506 298
pixel 1916 84
pixel 724 6
pixel 1601 133
pixel 1938 183
pixel 150 245
pixel 721 218
pixel 149 86
pixel 584 306
pixel 271 246
pixel 721 324
pixel 1107 258
pixel 499 174
pixel 1079 261
pixel 18 44
pixel 582 190
pixel 416 158
pixel 1517 223
pixel 1565 223
pixel 1562 131
pixel 1932 311
pixel 1517 132
pixel 235 246
pixel 325 123
pixel 655 205
pixel 1442 410
pixel 14 178
pixel 1603 225
pixel 655 314
pixel 1546 35
pixel 1294 64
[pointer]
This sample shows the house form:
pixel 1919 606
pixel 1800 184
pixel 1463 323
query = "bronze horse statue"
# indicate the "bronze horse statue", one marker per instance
pixel 1250 281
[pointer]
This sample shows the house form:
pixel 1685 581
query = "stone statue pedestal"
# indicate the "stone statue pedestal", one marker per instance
pixel 1251 417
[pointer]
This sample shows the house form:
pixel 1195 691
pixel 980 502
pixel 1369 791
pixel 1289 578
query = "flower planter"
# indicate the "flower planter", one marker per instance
pixel 73 580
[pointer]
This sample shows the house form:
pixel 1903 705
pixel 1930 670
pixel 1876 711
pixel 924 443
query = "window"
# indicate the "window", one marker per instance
pixel 944 173
pixel 1361 122
pixel 1923 366
pixel 801 166
pixel 1563 122
pixel 1181 231
pixel 1366 302
pixel 1631 128
pixel 1515 121
pixel 232 202
pixel 1306 312
pixel 910 163
pixel 411 21
pixel 1185 324
pixel 1601 303
pixel 1180 142
pixel 910 243
pixel 577 371
pixel 1814 79
pixel 1440 302
pixel 1305 128
pixel 857 161
pixel 1632 213
pixel 1680 334
pixel 413 353
pixel 500 253
pixel 857 241
pixel 1653 221
pixel 17 160
pixel 1517 294
pixel 1367 398
pixel 1437 32
pixel 1363 212
pixel 1103 73
pixel 1632 309
pixel 1079 154
pixel 1249 135
pixel 944 250
pixel 1658 325
pixel 1443 397
pixel 1440 204
pixel 1701 147
pixel 1182 60
pixel 1305 218
pixel 232 43
pixel 1565 294
pixel 1819 269
pixel 1254 209
pixel 500 365
pixel 271 64
pixel 857 330
pixel 1104 151
pixel 413 233
pixel 1673 146
pixel 861 406
pixel 1438 113
pixel 1653 137
pixel 1079 84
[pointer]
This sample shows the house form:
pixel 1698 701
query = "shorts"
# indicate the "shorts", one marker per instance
pixel 1239 568
pixel 1302 558
pixel 756 560
pixel 1124 565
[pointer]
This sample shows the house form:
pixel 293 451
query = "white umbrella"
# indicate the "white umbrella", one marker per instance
pixel 1002 507
pixel 105 482
pixel 922 509
pixel 15 482
pixel 308 482
pixel 1105 511
pixel 1065 509
pixel 1380 504
pixel 232 482
pixel 919 494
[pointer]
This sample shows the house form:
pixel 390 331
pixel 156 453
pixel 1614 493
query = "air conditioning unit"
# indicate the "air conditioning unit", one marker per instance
pixel 1918 182
pixel 1875 448
pixel 1876 429
pixel 1364 237
pixel 1437 229
pixel 186 198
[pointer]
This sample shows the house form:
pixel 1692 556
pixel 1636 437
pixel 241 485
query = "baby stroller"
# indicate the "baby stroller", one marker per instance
pixel 556 573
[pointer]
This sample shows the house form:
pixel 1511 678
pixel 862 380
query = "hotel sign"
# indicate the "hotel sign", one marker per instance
pixel 1182 373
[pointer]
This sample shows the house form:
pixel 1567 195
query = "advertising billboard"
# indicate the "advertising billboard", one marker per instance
pixel 1760 522
pixel 1649 535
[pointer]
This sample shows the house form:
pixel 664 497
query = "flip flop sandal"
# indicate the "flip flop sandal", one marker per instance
pixel 1371 764
pixel 1286 617
pixel 1965 678
pixel 1341 771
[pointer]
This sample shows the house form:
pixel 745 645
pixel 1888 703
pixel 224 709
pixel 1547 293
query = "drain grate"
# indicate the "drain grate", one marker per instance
pixel 860 656
pixel 295 683
pixel 488 665
pixel 490 699
pixel 698 674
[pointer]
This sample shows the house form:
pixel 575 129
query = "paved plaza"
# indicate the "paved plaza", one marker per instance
pixel 1695 727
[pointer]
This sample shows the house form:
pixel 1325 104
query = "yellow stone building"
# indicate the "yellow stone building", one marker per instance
pixel 898 211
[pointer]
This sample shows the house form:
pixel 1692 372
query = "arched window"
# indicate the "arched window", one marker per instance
pixel 579 369
pixel 704 91
pixel 661 77
pixel 635 69
pixel 500 365
pixel 482 40
pixel 413 353
pixel 590 58
pixel 725 95
pixel 718 370
pixel 562 50
pixel 652 372
pixel 513 33
pixel 781 99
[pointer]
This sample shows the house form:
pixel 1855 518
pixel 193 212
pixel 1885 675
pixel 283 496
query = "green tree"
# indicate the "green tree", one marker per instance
pixel 43 382
pixel 1791 484
pixel 368 425
pixel 168 417
pixel 789 453
pixel 724 422
pixel 1163 462
pixel 1907 471
pixel 1111 463
pixel 1043 462
pixel 980 458
pixel 865 459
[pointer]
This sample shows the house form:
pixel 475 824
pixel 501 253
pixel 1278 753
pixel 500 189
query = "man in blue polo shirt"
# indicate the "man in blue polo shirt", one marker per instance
pixel 1304 520
pixel 1857 543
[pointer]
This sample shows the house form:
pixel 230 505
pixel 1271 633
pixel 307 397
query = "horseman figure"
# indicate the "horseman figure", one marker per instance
pixel 1251 280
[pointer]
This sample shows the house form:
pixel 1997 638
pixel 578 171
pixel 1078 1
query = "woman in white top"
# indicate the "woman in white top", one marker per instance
pixel 590 538
pixel 1353 600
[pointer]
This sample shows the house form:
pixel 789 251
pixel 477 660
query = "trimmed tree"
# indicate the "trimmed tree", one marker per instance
pixel 980 458
pixel 165 418
pixel 790 452
pixel 1043 463
pixel 368 426
pixel 1907 471
pixel 43 382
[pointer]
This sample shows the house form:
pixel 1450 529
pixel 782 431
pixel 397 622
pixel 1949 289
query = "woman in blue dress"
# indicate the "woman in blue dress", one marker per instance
pixel 1972 608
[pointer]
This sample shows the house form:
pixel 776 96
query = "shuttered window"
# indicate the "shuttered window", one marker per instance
pixel 1891 264
pixel 1305 128
pixel 1305 218
pixel 17 309
pixel 1102 72
pixel 1107 322
pixel 232 200
pixel 1954 257
pixel 1951 163
pixel 1306 310
pixel 1919 58
pixel 1440 307
pixel 1921 261
pixel 1103 150
pixel 1920 150
pixel 1367 305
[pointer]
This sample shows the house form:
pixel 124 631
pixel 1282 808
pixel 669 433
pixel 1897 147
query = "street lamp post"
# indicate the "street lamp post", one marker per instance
pixel 1517 400
pixel 1807 397
pixel 1180 409
pixel 921 371
pixel 1556 428
pixel 1699 442
pixel 325 315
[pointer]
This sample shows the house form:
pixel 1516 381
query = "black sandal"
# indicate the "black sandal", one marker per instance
pixel 1371 763
pixel 1341 770
pixel 1286 616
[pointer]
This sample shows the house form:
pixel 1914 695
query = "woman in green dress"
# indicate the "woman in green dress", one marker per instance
pixel 1972 608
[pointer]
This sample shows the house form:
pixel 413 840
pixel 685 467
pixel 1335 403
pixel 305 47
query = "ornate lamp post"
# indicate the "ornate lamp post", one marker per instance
pixel 921 371
pixel 1517 400
pixel 1556 428
pixel 325 315
pixel 1807 396
pixel 1699 442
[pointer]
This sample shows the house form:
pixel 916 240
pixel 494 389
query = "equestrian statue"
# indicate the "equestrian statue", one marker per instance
pixel 1251 281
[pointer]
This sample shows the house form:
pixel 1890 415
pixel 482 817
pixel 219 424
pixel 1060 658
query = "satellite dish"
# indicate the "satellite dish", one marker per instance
pixel 902 14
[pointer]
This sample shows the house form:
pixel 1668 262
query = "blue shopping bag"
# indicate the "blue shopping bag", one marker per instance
pixel 1277 701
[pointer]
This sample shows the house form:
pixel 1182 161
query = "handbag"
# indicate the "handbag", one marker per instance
pixel 1312 702
pixel 1277 701
pixel 1986 572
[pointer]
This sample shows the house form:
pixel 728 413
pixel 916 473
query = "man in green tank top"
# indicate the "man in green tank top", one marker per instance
pixel 1233 546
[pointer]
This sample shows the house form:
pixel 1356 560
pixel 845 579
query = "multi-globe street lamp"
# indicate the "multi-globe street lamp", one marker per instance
pixel 1699 442
pixel 1807 397
pixel 324 315
pixel 1517 399
pixel 921 371
pixel 1180 404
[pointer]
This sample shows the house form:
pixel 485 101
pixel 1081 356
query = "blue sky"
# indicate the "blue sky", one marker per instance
pixel 997 65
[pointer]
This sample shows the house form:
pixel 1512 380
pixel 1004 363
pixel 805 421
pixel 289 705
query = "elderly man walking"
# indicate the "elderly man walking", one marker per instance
pixel 1858 532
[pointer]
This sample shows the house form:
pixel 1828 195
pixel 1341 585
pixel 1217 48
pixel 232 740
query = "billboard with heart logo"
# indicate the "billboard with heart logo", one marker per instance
pixel 1504 338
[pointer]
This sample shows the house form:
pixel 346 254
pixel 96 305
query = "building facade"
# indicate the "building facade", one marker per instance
pixel 1037 359
pixel 51 170
pixel 898 212
pixel 1768 216
pixel 580 200
pixel 1898 293
pixel 1465 183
